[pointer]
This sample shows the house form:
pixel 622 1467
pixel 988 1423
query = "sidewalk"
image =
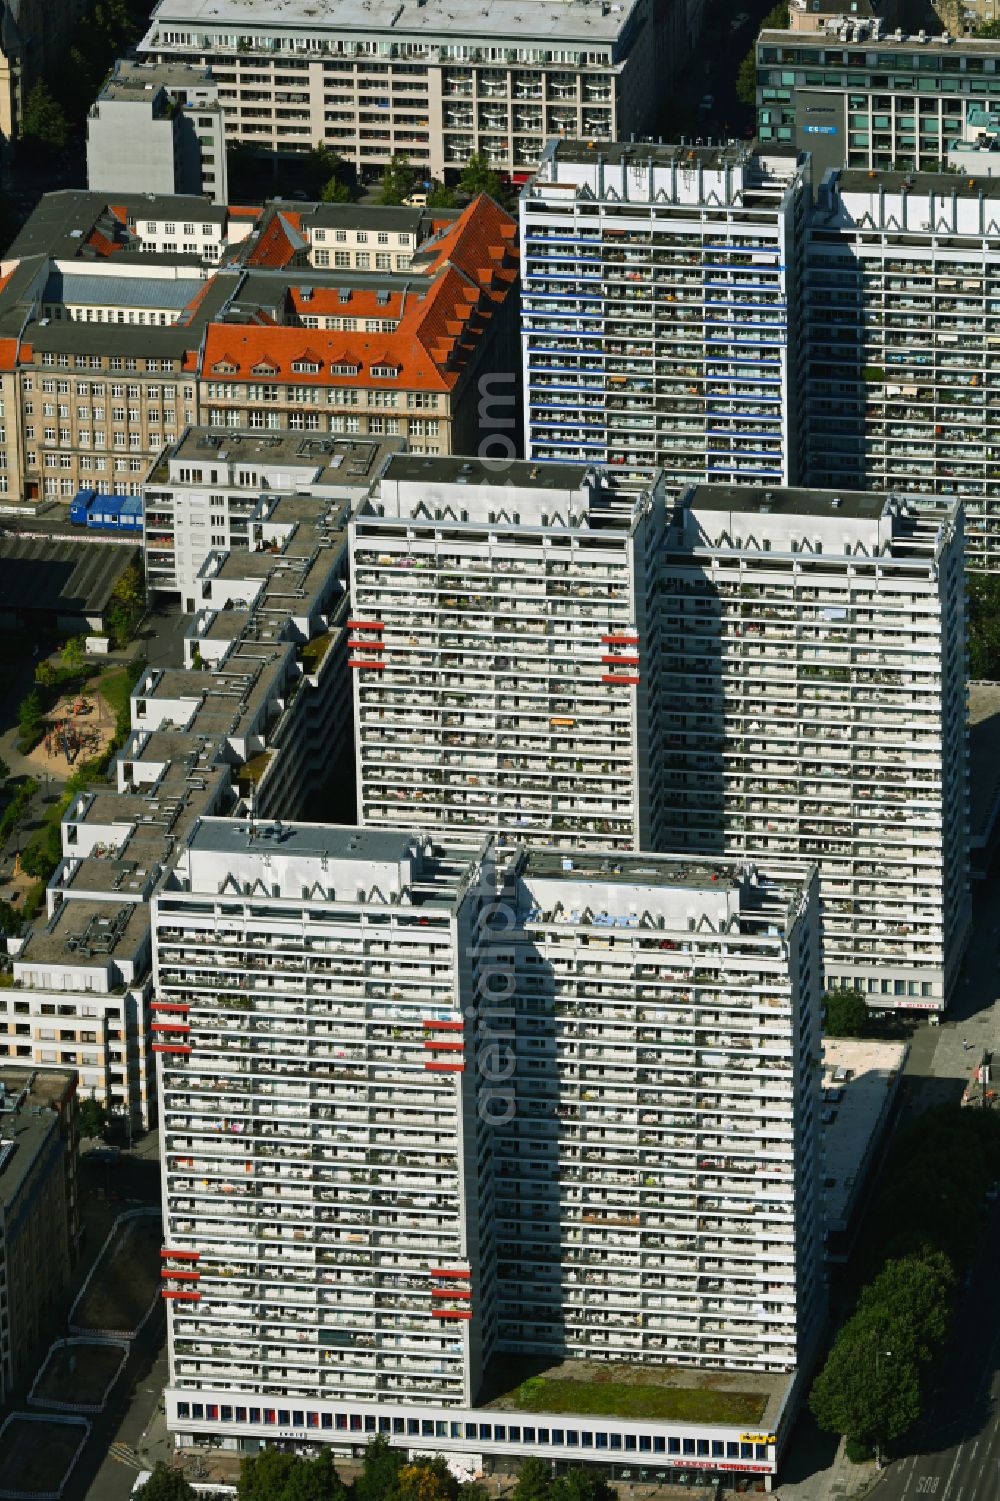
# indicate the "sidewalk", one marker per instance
pixel 841 1481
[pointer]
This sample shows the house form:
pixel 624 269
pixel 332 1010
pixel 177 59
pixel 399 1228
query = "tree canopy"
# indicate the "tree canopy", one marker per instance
pixel 984 626
pixel 166 1484
pixel 44 121
pixel 870 1387
pixel 398 180
pixel 847 1014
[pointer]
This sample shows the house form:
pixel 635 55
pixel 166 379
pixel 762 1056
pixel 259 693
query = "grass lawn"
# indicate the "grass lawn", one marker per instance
pixel 614 1398
pixel 115 684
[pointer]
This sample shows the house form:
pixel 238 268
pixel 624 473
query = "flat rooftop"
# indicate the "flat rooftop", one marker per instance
pixel 645 870
pixel 859 1081
pixel 590 1387
pixel 330 460
pixel 888 41
pixel 941 184
pixel 859 504
pixel 660 153
pixel 540 474
pixel 85 932
pixel 565 20
pixel 22 1136
pixel 229 836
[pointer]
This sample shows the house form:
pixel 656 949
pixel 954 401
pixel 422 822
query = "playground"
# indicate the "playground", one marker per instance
pixel 78 727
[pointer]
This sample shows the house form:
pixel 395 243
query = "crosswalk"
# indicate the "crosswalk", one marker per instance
pixel 125 1455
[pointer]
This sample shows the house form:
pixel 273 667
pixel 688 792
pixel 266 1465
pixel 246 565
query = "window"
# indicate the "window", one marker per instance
pixel 362 260
pixel 362 237
pixel 382 238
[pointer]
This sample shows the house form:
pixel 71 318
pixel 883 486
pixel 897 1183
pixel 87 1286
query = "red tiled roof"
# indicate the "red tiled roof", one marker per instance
pixel 459 279
pixel 274 248
pixel 101 243
pixel 244 210
pixel 8 352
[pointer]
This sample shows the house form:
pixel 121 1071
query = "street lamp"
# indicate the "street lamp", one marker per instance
pixel 878 1456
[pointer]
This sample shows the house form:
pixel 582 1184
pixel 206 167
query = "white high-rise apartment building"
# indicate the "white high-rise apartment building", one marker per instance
pixel 388 1178
pixel 431 80
pixel 903 329
pixel 814 688
pixel 656 1196
pixel 504 651
pixel 660 297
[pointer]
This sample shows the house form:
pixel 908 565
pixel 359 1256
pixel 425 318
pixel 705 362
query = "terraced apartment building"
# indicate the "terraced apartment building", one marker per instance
pixel 813 678
pixel 660 317
pixel 368 1228
pixel 903 337
pixel 431 80
pixel 504 651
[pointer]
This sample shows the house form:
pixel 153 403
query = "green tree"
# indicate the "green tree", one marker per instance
pixel 315 1480
pixel 264 1476
pixel 871 1385
pixel 166 1484
pixel 984 626
pixel 335 191
pixel 578 1484
pixel 479 177
pixel 29 715
pixel 43 122
pixel 862 1392
pixel 746 79
pixel 92 1117
pixel 127 606
pixel 439 196
pixel 534 1480
pixel 426 1480
pixel 989 30
pixel 379 1472
pixel 73 654
pixel 398 180
pixel 45 673
pixel 4 770
pixel 846 1014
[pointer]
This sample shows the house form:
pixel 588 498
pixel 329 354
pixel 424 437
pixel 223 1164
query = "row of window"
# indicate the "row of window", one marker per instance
pixel 96 362
pixel 512 1433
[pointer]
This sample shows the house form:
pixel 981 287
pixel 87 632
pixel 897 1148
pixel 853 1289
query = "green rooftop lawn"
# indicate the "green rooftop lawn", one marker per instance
pixel 615 1398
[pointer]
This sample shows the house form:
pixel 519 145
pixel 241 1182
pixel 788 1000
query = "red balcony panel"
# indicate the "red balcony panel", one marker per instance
pixel 443 1047
pixel 444 1271
pixel 179 1292
pixel 181 1255
pixel 445 1068
pixel 455 1026
pixel 451 1313
pixel 365 625
pixel 445 1292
